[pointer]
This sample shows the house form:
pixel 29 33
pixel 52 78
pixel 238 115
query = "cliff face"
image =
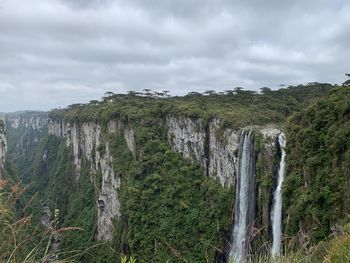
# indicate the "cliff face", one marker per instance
pixel 25 131
pixel 214 147
pixel 29 120
pixel 3 148
pixel 88 141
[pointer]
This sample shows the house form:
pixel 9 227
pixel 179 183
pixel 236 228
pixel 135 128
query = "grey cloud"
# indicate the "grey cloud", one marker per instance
pixel 57 52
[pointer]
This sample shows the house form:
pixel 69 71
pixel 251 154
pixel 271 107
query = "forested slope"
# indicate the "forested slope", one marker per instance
pixel 317 188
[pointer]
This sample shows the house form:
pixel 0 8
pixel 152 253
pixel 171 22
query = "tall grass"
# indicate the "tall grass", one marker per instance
pixel 22 241
pixel 298 249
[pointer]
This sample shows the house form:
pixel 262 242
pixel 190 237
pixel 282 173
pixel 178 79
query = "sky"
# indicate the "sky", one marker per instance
pixel 57 52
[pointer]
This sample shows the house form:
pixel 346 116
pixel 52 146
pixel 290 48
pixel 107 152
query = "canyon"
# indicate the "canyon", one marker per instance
pixel 217 150
pixel 151 183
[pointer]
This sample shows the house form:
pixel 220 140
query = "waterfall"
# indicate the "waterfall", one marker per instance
pixel 276 215
pixel 245 197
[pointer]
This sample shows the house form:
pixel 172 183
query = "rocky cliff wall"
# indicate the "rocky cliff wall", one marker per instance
pixel 3 149
pixel 216 148
pixel 29 120
pixel 88 141
pixel 25 131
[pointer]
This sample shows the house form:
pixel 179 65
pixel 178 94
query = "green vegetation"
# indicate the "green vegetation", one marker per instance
pixel 236 108
pixel 316 190
pixel 51 173
pixel 170 212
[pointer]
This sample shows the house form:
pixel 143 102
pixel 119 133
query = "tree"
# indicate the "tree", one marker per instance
pixel 238 90
pixel 210 92
pixel 193 94
pixel 109 93
pixel 265 90
pixel 166 93
pixel 75 105
pixel 230 92
pixel 132 93
pixel 159 94
pixel 347 82
pixel 94 102
pixel 148 92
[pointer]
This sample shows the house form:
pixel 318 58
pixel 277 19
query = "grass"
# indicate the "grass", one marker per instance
pixel 20 239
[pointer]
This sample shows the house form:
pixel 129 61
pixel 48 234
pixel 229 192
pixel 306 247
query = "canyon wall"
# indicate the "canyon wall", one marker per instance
pixel 3 149
pixel 25 131
pixel 216 148
pixel 90 142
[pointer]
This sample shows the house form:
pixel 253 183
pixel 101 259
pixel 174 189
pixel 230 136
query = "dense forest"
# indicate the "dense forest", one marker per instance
pixel 171 208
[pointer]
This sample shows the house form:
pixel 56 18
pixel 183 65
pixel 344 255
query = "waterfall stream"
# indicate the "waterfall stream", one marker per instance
pixel 276 215
pixel 245 197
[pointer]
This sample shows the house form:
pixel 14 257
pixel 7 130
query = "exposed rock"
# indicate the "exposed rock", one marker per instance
pixel 215 148
pixel 187 136
pixel 3 149
pixel 88 141
pixel 270 135
pixel 33 120
pixel 54 248
pixel 223 162
pixel 32 127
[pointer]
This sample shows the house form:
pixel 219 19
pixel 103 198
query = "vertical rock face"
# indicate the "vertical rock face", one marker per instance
pixel 25 131
pixel 218 149
pixel 88 141
pixel 3 148
pixel 223 147
pixel 214 148
pixel 33 120
pixel 187 136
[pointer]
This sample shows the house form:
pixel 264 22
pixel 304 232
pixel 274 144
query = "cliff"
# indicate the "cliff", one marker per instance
pixel 96 145
pixel 3 149
pixel 215 147
pixel 25 130
pixel 90 142
pixel 170 179
pixel 28 120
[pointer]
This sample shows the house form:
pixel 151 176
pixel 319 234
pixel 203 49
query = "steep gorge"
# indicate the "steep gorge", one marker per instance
pixel 153 184
pixel 90 143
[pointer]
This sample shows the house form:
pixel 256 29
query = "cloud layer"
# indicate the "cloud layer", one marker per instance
pixel 57 52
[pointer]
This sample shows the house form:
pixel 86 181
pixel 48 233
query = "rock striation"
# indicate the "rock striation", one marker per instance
pixel 3 149
pixel 25 130
pixel 88 141
pixel 27 120
pixel 215 147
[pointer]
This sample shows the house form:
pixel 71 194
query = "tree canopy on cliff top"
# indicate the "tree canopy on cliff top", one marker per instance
pixel 235 108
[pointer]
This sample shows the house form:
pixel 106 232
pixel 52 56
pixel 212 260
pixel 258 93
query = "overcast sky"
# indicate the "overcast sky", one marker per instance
pixel 57 52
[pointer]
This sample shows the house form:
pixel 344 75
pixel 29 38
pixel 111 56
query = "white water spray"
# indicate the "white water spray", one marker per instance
pixel 245 198
pixel 276 215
